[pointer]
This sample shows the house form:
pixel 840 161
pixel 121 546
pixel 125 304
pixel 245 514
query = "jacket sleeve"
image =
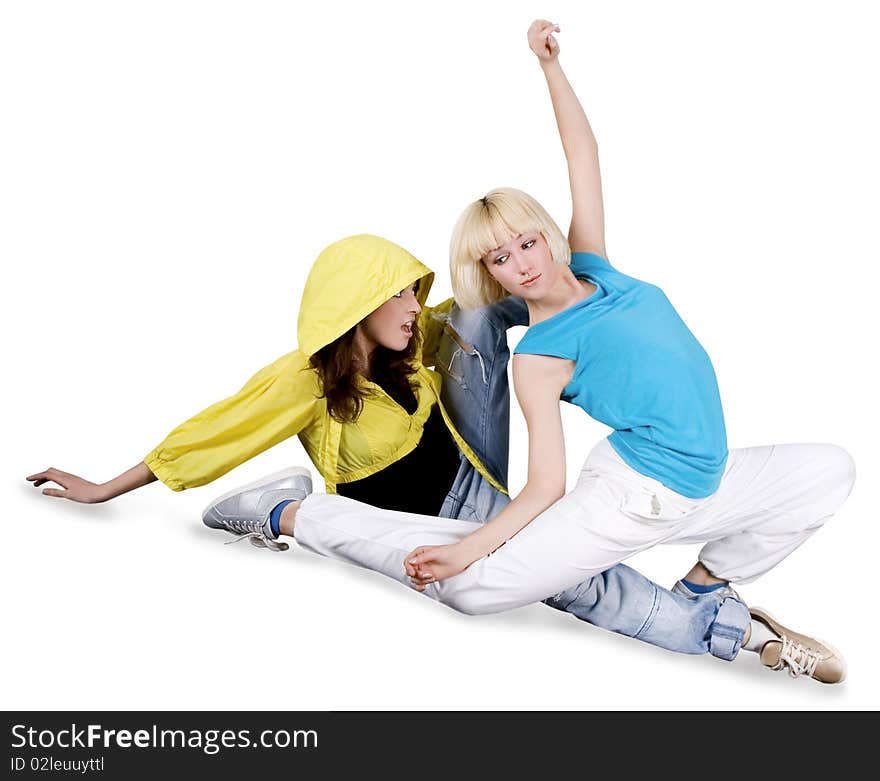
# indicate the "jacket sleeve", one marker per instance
pixel 431 323
pixel 279 401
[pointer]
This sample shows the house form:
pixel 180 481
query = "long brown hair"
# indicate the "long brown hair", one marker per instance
pixel 389 369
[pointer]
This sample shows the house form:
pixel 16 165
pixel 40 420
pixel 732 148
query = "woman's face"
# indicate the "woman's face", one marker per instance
pixel 523 266
pixel 391 325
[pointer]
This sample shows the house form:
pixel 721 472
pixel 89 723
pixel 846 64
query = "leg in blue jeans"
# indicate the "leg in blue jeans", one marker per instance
pixel 473 358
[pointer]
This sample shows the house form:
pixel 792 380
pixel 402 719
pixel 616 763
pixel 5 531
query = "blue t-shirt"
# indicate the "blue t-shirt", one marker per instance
pixel 641 371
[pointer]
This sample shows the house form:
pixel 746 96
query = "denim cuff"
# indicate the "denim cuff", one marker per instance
pixel 728 629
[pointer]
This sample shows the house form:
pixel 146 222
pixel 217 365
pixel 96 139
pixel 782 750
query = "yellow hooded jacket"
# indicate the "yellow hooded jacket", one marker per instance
pixel 349 280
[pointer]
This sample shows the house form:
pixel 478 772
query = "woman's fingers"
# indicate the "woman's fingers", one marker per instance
pixel 544 27
pixel 418 567
pixel 75 488
pixel 418 556
pixel 415 570
pixel 47 474
pixel 547 34
pixel 541 39
pixel 67 481
pixel 414 561
pixel 421 583
pixel 423 571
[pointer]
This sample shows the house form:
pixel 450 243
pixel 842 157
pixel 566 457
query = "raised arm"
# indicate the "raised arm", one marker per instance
pixel 538 381
pixel 587 231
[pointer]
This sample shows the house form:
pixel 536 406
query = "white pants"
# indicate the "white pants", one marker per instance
pixel 770 500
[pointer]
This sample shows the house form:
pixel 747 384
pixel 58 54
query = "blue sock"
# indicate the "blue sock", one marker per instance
pixel 275 516
pixel 697 589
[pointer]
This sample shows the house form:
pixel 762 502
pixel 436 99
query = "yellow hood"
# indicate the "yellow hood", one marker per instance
pixel 350 279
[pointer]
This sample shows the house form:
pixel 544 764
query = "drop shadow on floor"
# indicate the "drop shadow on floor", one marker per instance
pixel 550 621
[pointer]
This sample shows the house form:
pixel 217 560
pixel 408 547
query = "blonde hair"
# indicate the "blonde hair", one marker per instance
pixel 487 224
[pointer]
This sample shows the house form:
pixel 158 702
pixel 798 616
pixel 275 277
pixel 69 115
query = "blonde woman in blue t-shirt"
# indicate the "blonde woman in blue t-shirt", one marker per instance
pixel 614 346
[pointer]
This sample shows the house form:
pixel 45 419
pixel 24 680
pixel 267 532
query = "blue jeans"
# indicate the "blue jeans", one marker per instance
pixel 473 358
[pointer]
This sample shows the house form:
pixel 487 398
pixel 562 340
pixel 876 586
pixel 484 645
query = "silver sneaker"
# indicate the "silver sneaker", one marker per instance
pixel 245 511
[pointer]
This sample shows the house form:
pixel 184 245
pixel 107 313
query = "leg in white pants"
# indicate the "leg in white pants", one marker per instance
pixel 769 501
pixel 772 498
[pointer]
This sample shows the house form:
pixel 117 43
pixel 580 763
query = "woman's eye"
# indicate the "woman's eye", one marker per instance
pixel 528 244
pixel 500 260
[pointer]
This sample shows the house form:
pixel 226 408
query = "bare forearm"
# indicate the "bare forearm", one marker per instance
pixel 529 504
pixel 577 136
pixel 538 381
pixel 135 477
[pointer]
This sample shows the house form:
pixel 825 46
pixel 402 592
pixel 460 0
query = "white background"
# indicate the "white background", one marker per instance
pixel 171 169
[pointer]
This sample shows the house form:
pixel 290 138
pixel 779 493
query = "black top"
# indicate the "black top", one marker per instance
pixel 418 482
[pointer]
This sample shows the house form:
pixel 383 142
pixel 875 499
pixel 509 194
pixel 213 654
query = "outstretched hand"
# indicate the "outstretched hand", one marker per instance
pixel 541 40
pixel 431 563
pixel 75 488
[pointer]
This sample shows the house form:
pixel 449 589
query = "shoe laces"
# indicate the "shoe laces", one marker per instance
pixel 244 526
pixel 260 540
pixel 799 659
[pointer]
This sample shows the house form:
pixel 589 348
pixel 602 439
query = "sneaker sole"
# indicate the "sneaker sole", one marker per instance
pixel 780 629
pixel 292 471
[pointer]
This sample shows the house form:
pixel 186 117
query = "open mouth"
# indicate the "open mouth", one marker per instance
pixel 531 281
pixel 407 328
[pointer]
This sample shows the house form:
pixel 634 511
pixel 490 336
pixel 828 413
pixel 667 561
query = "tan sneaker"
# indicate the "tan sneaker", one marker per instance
pixel 799 654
